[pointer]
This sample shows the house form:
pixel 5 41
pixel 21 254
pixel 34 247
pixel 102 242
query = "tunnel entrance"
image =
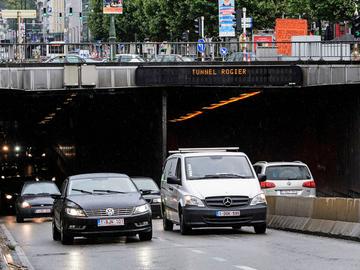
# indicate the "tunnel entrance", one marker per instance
pixel 122 131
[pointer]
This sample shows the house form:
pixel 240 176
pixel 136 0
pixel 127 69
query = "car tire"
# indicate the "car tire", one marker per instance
pixel 145 236
pixel 167 224
pixel 55 232
pixel 184 228
pixel 19 219
pixel 260 229
pixel 65 237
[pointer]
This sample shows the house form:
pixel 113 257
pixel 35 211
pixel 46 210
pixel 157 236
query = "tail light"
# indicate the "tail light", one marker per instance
pixel 309 184
pixel 267 184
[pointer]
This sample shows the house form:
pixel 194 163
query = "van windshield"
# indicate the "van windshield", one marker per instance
pixel 214 167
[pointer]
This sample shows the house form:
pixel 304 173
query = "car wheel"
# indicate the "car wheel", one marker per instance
pixel 145 236
pixel 260 229
pixel 167 224
pixel 184 228
pixel 19 219
pixel 65 237
pixel 55 232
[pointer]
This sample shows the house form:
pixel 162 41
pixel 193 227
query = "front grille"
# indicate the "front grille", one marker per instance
pixel 41 205
pixel 102 212
pixel 227 220
pixel 237 201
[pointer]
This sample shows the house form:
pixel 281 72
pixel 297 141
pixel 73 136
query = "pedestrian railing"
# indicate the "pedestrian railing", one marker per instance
pixel 184 51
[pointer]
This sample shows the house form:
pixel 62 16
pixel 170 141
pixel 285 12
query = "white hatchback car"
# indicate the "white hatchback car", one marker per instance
pixel 286 178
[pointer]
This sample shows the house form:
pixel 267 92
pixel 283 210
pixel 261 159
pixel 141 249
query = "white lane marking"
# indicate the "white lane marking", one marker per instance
pixel 198 251
pixel 243 267
pixel 219 259
pixel 20 252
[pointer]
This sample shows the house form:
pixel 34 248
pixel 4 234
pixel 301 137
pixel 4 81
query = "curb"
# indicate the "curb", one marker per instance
pixel 8 260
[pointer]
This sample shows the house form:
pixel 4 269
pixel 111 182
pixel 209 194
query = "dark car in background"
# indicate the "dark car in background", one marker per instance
pixel 100 204
pixel 35 200
pixel 151 193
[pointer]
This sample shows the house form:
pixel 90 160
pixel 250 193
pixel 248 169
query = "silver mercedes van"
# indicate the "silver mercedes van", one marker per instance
pixel 207 187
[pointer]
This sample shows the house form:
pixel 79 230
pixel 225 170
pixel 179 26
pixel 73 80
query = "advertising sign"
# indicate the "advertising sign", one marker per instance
pixel 226 17
pixel 285 29
pixel 113 7
pixel 262 41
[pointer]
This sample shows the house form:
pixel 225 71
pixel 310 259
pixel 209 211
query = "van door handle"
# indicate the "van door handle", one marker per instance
pixel 170 188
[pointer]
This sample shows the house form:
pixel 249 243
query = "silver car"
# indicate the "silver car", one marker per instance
pixel 286 178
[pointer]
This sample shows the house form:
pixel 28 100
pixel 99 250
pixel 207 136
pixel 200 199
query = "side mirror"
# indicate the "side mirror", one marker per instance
pixel 145 192
pixel 262 177
pixel 173 180
pixel 56 196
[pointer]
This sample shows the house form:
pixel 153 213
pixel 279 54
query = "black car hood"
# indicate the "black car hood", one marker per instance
pixel 36 200
pixel 97 201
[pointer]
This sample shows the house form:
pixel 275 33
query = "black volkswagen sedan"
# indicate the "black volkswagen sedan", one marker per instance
pixel 151 193
pixel 100 204
pixel 35 200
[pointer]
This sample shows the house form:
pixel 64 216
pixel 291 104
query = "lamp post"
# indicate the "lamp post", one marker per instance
pixel 112 37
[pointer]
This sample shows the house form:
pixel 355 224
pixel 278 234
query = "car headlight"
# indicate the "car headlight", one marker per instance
pixel 193 201
pixel 25 204
pixel 76 212
pixel 141 209
pixel 258 199
pixel 157 200
pixel 8 196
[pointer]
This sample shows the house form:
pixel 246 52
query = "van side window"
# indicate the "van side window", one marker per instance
pixel 178 169
pixel 169 169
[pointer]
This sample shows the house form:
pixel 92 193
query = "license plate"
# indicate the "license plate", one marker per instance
pixel 110 222
pixel 227 213
pixel 290 192
pixel 42 211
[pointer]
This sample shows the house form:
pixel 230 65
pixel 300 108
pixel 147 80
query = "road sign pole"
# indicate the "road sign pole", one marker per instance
pixel 202 19
pixel 244 33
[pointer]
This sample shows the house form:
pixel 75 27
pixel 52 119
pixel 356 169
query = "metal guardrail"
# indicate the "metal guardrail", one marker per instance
pixel 236 51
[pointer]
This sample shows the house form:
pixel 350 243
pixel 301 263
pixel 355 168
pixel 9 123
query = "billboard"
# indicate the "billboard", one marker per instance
pixel 287 28
pixel 226 16
pixel 113 7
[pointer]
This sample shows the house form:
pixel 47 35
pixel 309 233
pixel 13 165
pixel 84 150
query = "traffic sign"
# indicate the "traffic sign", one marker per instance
pixel 248 22
pixel 201 46
pixel 223 51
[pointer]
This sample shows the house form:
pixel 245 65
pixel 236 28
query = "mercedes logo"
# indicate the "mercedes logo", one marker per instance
pixel 227 201
pixel 110 211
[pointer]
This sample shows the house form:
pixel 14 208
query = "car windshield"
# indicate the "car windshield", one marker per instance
pixel 206 167
pixel 40 188
pixel 145 184
pixel 288 172
pixel 101 185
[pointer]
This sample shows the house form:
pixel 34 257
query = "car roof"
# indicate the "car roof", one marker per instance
pixel 142 178
pixel 209 153
pixel 97 175
pixel 281 163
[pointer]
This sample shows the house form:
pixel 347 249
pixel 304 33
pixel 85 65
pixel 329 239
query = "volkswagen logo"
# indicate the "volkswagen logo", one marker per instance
pixel 227 201
pixel 110 211
pixel 289 183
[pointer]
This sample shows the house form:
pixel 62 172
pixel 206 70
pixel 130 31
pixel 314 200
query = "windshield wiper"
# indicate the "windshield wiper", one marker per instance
pixel 108 191
pixel 43 193
pixel 82 191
